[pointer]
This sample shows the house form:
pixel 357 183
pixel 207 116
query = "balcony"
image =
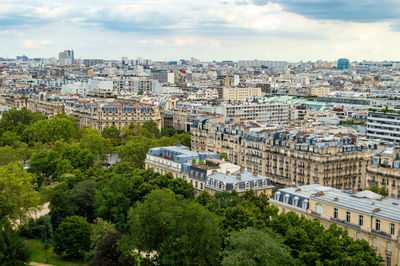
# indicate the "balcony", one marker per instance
pixel 381 233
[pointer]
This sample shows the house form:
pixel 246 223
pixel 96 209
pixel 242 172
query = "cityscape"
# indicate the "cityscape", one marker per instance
pixel 152 155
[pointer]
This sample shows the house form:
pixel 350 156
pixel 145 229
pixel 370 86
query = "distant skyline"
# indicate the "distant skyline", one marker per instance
pixel 290 30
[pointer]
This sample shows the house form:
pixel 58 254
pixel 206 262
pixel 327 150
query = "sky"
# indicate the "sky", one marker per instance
pixel 290 30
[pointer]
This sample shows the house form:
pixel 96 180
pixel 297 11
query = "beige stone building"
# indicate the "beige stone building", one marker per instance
pixel 365 215
pixel 287 157
pixel 205 171
pixel 49 106
pixel 384 170
pixel 320 91
pixel 237 94
pixel 102 115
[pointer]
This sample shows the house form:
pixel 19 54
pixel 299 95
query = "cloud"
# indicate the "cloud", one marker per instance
pixel 30 43
pixel 209 29
pixel 344 10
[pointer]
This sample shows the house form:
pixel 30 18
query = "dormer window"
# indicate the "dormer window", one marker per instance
pixel 286 198
pixel 277 195
pixel 247 185
pixel 295 201
pixel 305 204
pixel 255 183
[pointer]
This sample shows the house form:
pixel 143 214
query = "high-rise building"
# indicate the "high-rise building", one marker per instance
pixel 343 63
pixel 66 58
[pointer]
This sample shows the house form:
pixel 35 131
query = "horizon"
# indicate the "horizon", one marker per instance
pixel 292 31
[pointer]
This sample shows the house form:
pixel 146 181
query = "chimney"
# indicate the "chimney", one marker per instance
pixel 238 176
pixel 354 191
pixel 228 172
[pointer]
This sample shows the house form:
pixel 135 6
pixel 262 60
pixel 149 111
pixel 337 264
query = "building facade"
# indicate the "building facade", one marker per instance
pixel 289 158
pixel 365 215
pixel 384 126
pixel 384 170
pixel 237 94
pixel 205 171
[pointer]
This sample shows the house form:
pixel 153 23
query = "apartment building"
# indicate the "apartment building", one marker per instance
pixel 365 215
pixel 205 171
pixel 49 106
pixel 260 112
pixel 136 85
pixel 238 94
pixel 101 115
pixel 289 157
pixel 384 126
pixel 384 170
pixel 320 91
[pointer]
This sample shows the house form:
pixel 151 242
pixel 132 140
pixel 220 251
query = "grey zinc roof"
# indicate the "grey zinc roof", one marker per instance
pixel 359 202
pixel 244 177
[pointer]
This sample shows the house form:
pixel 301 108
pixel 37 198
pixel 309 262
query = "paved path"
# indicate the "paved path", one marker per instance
pixel 39 264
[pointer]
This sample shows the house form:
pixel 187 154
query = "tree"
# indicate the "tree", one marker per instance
pixel 60 206
pixel 108 253
pixel 17 120
pixel 113 134
pixel 255 247
pixel 13 251
pixel 72 237
pixel 93 141
pixel 100 229
pixel 83 197
pixel 7 155
pixel 51 130
pixel 18 194
pixel 379 190
pixel 224 156
pixel 187 232
pixel 151 127
pixel 135 150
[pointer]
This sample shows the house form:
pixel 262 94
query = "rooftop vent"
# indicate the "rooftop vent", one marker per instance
pixel 395 203
pixel 376 210
pixel 336 199
pixel 298 189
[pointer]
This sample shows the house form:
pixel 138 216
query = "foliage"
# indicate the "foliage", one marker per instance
pixel 18 194
pixel 255 247
pixel 188 233
pixel 17 120
pixel 72 237
pixel 113 134
pixel 224 156
pixel 93 141
pixel 60 206
pixel 108 254
pixel 379 190
pixel 13 250
pixel 100 229
pixel 53 129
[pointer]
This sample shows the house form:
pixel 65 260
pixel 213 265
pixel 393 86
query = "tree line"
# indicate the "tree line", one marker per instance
pixel 125 215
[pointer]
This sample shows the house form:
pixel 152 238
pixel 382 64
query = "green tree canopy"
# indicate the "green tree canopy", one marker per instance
pixel 72 237
pixel 187 233
pixel 18 194
pixel 13 250
pixel 255 247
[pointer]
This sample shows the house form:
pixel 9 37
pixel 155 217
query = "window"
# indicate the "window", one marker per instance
pixel 348 217
pixel 389 246
pixel 319 208
pixel 286 198
pixel 388 261
pixel 392 229
pixel 360 220
pixel 255 184
pixel 305 204
pixel 277 195
pixel 295 201
pixel 374 242
pixel 335 213
pixel 196 184
pixel 378 225
pixel 358 235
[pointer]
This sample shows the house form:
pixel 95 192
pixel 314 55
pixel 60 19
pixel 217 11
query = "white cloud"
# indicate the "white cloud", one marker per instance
pixel 30 43
pixel 205 29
